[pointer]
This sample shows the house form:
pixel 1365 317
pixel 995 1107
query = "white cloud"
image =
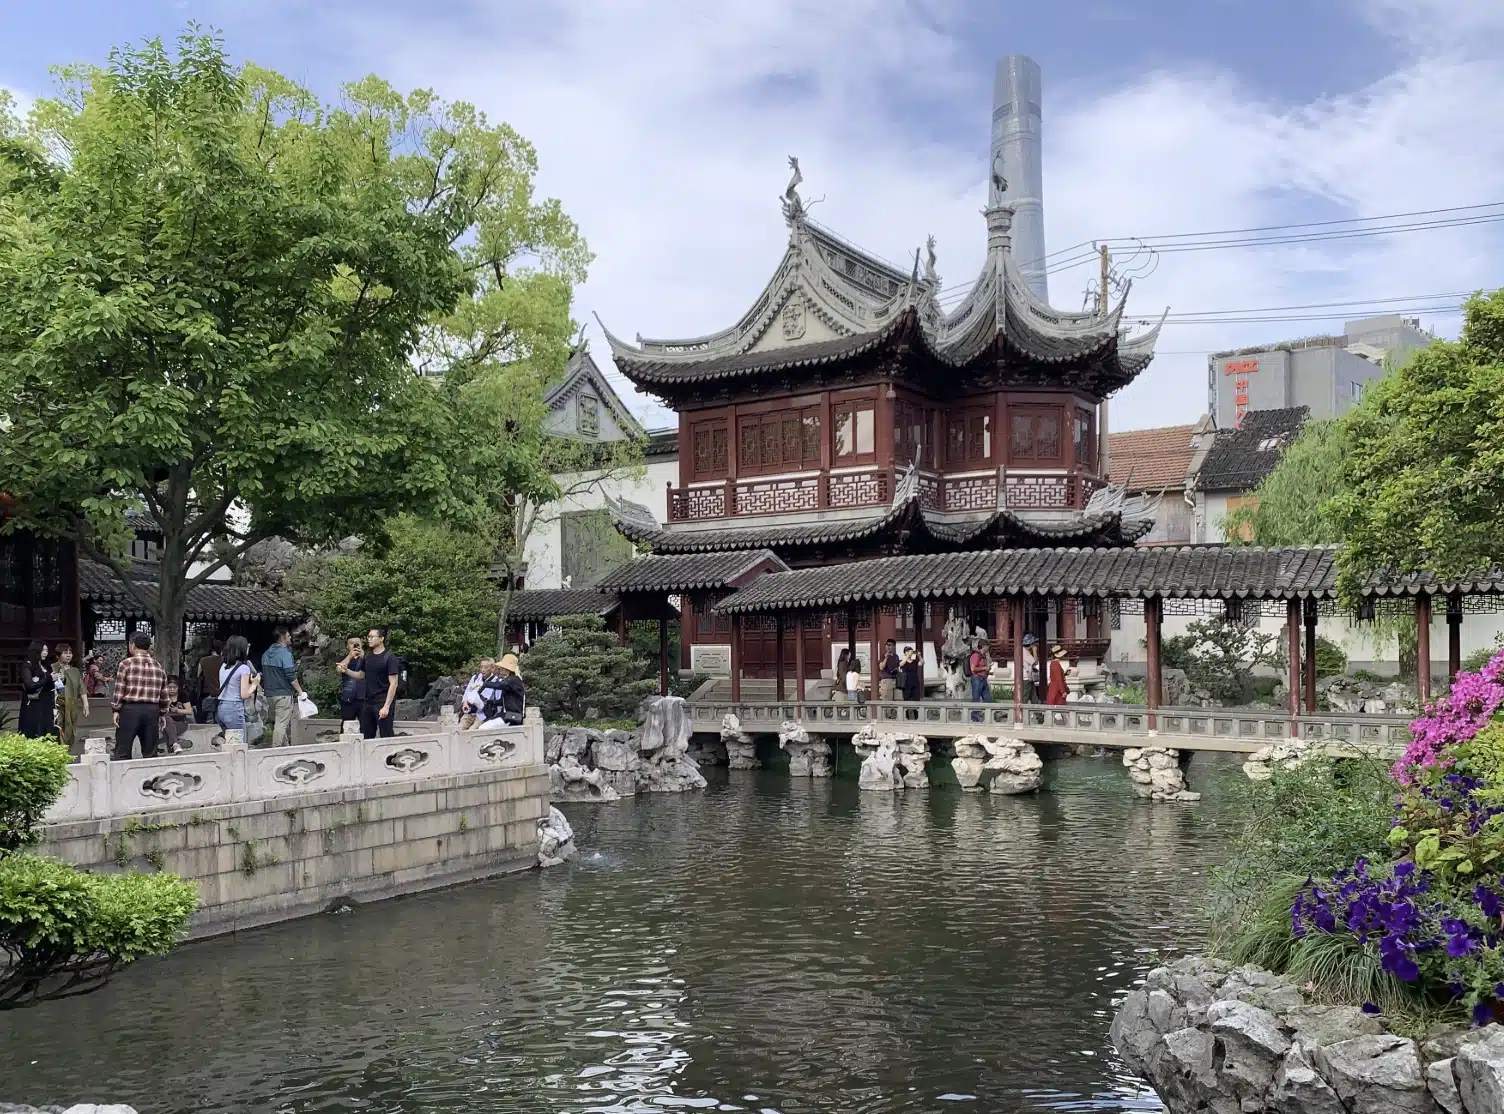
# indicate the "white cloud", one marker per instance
pixel 664 127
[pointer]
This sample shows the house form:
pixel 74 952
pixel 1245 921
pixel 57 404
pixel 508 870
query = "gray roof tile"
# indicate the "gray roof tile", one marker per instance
pixel 545 603
pixel 686 572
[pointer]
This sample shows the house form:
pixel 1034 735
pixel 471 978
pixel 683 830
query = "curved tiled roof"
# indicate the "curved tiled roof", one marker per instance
pixel 1238 462
pixel 545 603
pixel 903 514
pixel 687 572
pixel 101 589
pixel 1196 572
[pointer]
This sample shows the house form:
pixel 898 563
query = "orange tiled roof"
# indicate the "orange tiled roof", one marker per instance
pixel 1155 459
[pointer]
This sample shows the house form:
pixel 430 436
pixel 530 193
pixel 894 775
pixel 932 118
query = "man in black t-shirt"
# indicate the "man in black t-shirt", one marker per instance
pixel 378 671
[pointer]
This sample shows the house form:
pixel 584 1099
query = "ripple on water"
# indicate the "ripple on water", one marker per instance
pixel 766 945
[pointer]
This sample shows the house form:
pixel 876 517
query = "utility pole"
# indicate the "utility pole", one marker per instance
pixel 1102 304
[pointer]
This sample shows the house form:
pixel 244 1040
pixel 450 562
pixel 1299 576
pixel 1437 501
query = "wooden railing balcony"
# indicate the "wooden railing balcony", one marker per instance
pixel 872 487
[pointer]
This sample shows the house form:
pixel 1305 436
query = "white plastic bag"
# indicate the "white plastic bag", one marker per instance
pixel 307 709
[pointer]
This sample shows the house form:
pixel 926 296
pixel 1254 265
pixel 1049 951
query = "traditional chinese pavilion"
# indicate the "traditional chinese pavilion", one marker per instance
pixel 848 416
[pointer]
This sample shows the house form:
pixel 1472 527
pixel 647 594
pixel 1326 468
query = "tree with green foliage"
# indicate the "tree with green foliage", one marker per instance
pixel 217 294
pixel 1220 655
pixel 1425 467
pixel 1296 504
pixel 577 672
pixel 1292 506
pixel 428 582
pixel 64 931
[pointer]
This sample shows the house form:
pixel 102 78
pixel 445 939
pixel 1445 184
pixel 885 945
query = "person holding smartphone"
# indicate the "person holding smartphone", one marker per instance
pixel 379 671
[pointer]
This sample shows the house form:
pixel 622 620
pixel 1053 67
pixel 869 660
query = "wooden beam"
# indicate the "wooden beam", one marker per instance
pixel 1153 617
pixel 1020 605
pixel 736 659
pixel 1454 636
pixel 1292 649
pixel 662 657
pixel 1423 645
pixel 919 641
pixel 798 666
pixel 778 653
pixel 1310 662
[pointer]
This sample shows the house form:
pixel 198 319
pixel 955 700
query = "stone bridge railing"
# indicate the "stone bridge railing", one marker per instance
pixel 99 788
pixel 1123 725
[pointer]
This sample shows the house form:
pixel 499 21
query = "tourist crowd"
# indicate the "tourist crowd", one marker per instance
pixel 150 708
pixel 902 677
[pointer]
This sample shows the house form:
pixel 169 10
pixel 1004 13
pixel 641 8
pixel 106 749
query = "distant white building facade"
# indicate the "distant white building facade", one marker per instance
pixel 574 542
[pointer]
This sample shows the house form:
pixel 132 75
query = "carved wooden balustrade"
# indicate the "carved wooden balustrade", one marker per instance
pixel 871 487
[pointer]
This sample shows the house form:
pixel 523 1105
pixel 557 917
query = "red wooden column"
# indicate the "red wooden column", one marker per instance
pixel 1423 645
pixel 1153 618
pixel 850 640
pixel 736 659
pixel 1292 650
pixel 1310 662
pixel 778 653
pixel 875 648
pixel 621 627
pixel 798 667
pixel 1454 636
pixel 662 657
pixel 919 641
pixel 1019 604
pixel 1067 619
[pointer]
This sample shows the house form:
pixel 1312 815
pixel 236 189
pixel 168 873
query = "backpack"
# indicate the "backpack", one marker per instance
pixel 401 664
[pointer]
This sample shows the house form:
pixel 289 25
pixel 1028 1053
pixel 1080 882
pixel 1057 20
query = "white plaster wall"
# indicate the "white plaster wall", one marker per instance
pixel 544 556
pixel 1478 632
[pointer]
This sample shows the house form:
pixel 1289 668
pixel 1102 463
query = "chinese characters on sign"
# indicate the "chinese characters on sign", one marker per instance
pixel 1240 368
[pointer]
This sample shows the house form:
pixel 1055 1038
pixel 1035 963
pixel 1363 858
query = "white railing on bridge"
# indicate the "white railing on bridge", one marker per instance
pixel 99 788
pixel 1107 724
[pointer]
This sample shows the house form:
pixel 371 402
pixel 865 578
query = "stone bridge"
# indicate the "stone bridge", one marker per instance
pixel 1123 726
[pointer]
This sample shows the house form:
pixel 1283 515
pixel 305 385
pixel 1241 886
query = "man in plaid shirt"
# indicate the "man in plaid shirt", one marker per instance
pixel 140 700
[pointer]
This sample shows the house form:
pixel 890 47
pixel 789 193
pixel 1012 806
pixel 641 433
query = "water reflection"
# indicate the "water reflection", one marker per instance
pixel 768 945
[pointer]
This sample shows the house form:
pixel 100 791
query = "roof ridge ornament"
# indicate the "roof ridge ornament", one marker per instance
pixel 999 182
pixel 793 205
pixel 929 263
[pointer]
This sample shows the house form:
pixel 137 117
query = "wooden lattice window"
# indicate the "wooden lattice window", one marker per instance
pixel 709 460
pixel 968 438
pixel 1034 435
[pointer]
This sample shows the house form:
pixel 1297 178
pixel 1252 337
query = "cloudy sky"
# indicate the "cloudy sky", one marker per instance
pixel 665 125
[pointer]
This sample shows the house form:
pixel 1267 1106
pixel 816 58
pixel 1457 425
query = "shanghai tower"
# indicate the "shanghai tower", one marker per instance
pixel 1015 158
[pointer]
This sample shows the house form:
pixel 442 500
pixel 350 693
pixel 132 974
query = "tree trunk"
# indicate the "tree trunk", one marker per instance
pixel 167 637
pixel 501 618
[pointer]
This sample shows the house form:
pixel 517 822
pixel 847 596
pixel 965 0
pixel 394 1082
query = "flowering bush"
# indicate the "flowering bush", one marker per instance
pixel 1435 918
pixel 1454 719
pixel 1450 941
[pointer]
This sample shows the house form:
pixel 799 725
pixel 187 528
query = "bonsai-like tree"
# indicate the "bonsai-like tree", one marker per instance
pixel 578 672
pixel 64 931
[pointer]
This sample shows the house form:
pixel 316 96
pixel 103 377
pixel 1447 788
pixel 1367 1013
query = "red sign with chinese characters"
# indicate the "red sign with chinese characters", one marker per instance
pixel 1239 367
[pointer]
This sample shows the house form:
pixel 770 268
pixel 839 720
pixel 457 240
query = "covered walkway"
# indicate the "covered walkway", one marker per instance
pixel 1239 582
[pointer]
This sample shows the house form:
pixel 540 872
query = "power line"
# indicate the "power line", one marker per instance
pixel 1278 227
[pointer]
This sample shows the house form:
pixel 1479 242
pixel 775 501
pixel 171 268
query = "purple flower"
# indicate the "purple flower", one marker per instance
pixel 1404 870
pixel 1369 1007
pixel 1483 1013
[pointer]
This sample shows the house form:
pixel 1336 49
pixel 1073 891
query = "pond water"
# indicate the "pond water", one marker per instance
pixel 767 945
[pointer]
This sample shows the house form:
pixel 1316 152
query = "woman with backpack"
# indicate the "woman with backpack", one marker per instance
pixel 238 683
pixel 38 694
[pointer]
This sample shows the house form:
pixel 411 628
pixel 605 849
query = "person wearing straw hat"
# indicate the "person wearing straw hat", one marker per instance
pixel 1057 690
pixel 506 694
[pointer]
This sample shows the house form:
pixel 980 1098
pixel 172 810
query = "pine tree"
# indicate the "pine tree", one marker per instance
pixel 578 672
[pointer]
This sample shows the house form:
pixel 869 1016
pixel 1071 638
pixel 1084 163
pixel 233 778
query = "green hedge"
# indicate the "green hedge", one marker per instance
pixel 64 931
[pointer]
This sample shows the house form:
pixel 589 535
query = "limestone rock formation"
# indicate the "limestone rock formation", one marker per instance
pixel 1006 766
pixel 1261 763
pixel 741 749
pixel 807 757
pixel 589 765
pixel 555 839
pixel 1211 1038
pixel 1157 774
pixel 891 760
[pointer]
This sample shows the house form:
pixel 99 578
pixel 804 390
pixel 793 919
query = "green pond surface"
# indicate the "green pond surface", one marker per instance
pixel 768 945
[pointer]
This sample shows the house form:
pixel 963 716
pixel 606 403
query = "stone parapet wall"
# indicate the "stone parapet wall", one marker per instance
pixel 259 862
pixel 99 788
